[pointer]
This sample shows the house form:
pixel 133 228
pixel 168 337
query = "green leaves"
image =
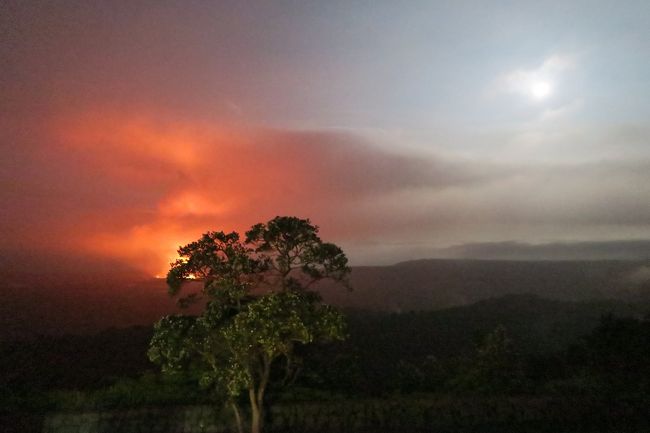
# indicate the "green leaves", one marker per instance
pixel 259 306
pixel 172 343
pixel 276 321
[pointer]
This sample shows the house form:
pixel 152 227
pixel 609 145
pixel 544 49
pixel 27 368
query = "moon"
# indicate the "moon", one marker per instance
pixel 540 89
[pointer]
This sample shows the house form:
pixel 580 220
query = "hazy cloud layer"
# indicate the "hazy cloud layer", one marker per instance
pixel 133 187
pixel 609 250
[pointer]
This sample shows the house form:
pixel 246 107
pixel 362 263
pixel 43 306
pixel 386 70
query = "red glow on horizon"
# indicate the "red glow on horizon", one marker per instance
pixel 133 188
pixel 186 179
pixel 170 165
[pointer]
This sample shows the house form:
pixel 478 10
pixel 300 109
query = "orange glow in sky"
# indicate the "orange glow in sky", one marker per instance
pixel 179 180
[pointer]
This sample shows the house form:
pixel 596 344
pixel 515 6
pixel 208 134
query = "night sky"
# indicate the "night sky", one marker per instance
pixel 129 128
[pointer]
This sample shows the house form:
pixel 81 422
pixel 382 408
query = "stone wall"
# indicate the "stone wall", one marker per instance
pixel 374 415
pixel 188 419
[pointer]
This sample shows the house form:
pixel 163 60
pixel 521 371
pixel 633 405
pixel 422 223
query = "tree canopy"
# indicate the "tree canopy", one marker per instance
pixel 259 308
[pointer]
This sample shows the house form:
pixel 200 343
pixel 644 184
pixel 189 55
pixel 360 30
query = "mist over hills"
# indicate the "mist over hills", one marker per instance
pixel 589 250
pixel 435 283
pixel 37 304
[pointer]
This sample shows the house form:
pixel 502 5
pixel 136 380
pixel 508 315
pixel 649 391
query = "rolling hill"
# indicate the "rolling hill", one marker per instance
pixel 35 304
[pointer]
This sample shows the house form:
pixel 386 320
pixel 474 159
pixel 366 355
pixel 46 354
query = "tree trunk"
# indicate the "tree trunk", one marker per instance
pixel 235 408
pixel 257 396
pixel 257 412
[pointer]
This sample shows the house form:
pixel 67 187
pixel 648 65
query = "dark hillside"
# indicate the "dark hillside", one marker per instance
pixel 378 341
pixel 435 284
pixel 38 305
pixel 536 325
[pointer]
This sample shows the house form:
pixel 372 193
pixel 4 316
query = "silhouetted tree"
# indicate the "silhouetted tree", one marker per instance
pixel 259 308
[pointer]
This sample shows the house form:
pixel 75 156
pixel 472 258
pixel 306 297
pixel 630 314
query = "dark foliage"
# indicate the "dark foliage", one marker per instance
pixel 549 348
pixel 74 362
pixel 615 356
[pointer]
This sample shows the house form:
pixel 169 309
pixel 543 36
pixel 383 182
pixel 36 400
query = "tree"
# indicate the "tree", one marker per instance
pixel 259 308
pixel 616 354
pixel 497 366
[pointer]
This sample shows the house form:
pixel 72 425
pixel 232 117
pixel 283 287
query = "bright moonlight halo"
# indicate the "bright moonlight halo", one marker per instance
pixel 540 89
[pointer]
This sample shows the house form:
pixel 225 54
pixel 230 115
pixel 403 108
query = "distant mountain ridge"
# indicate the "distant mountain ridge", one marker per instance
pixel 582 251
